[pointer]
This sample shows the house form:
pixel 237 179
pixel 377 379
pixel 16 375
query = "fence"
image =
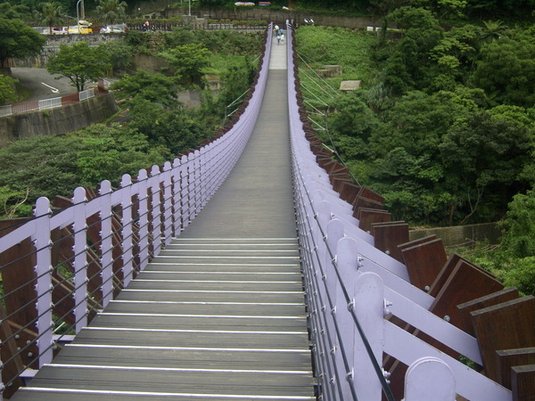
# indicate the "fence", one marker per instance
pixel 356 292
pixel 44 104
pixel 58 269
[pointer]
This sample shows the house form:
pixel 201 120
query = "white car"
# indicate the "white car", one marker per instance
pixel 64 30
pixel 117 28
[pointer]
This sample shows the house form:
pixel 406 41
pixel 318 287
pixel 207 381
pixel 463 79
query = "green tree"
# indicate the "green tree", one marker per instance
pixel 492 30
pixel 51 14
pixel 188 62
pixel 173 129
pixel 152 86
pixel 80 63
pixel 519 226
pixel 7 89
pixel 354 123
pixel 410 57
pixel 120 55
pixel 18 40
pixel 484 155
pixel 55 165
pixel 455 55
pixel 505 69
pixel 111 11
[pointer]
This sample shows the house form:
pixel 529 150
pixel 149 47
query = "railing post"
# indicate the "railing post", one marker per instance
pixel 80 258
pixel 368 294
pixel 43 287
pixel 143 219
pixel 429 379
pixel 346 261
pixel 167 207
pixel 106 243
pixel 198 182
pixel 155 210
pixel 127 229
pixel 334 233
pixel 184 185
pixel 177 205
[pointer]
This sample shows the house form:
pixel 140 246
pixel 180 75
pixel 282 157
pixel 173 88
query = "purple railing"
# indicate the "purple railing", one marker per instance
pixel 76 260
pixel 353 289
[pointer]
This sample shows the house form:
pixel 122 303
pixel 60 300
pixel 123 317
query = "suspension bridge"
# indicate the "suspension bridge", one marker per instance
pixel 253 268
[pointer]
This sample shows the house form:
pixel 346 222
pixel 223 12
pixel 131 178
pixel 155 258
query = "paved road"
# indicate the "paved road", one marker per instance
pixel 32 79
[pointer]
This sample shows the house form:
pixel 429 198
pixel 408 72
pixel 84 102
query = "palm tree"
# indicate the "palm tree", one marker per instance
pixel 51 13
pixel 111 10
pixel 493 30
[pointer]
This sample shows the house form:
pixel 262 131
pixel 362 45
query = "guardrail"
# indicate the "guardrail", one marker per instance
pixel 356 292
pixel 45 104
pixel 59 268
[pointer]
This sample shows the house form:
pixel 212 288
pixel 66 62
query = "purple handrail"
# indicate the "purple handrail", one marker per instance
pixel 353 288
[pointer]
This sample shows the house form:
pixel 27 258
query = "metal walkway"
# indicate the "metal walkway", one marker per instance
pixel 219 314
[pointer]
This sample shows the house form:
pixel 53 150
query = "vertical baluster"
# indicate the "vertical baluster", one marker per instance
pixel 346 262
pixel 368 293
pixel 191 187
pixel 80 258
pixel 198 183
pixel 106 257
pixel 127 229
pixel 167 208
pixel 177 204
pixel 204 176
pixel 43 287
pixel 334 232
pixel 156 237
pixel 184 184
pixel 143 219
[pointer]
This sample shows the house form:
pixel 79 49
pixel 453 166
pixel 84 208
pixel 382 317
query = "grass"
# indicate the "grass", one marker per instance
pixel 331 45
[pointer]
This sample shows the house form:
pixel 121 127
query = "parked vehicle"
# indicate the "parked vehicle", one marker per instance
pixel 83 28
pixel 117 28
pixel 63 30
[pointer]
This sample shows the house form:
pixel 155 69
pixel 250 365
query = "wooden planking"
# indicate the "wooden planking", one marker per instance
pixel 508 358
pixel 510 324
pixel 368 216
pixel 190 331
pixel 387 237
pixel 464 321
pixel 523 382
pixel 185 358
pixel 424 262
pixel 455 290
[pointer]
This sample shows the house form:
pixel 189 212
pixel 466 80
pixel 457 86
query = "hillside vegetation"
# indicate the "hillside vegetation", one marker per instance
pixel 154 125
pixel 443 126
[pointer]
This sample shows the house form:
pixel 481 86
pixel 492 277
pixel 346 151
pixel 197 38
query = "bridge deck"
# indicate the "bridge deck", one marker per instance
pixel 220 314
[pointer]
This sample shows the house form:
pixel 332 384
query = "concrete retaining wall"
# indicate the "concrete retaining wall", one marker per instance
pixel 57 121
pixel 459 235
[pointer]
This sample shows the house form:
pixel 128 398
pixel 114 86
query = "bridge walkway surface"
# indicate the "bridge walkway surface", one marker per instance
pixel 219 314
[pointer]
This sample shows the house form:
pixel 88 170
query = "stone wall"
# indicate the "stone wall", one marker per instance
pixel 57 121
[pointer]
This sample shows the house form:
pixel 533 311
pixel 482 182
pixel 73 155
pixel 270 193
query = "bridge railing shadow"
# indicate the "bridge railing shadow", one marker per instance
pixel 62 266
pixel 360 299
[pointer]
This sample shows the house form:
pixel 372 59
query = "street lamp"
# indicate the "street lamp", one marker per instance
pixel 80 10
